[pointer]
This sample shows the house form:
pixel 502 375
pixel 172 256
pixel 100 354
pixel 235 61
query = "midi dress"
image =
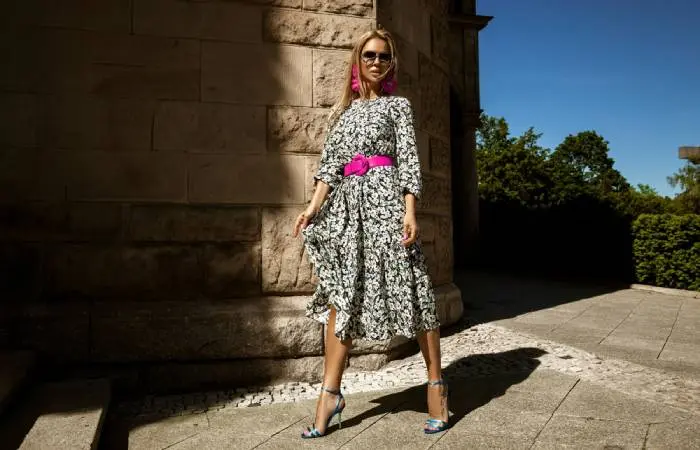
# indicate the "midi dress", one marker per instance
pixel 379 288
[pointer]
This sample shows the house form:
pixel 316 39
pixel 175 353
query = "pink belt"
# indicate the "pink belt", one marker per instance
pixel 360 164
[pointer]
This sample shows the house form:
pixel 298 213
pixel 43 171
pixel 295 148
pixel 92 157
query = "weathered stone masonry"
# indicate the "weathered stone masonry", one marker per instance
pixel 153 155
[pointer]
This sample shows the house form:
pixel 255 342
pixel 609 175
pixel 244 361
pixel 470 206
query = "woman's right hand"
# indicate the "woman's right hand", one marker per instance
pixel 304 219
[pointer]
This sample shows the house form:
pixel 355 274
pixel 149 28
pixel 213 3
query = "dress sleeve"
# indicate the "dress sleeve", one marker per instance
pixel 406 149
pixel 330 167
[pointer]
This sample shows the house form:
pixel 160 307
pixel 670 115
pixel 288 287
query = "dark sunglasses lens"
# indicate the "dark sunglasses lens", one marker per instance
pixel 371 56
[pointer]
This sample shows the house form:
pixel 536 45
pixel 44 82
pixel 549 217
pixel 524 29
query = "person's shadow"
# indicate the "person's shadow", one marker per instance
pixel 473 381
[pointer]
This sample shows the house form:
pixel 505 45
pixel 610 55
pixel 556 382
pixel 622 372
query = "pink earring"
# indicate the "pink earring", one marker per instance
pixel 389 84
pixel 355 82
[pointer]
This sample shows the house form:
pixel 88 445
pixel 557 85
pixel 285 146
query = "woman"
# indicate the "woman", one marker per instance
pixel 360 230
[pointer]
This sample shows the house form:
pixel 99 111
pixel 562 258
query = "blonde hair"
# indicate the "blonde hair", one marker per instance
pixel 347 95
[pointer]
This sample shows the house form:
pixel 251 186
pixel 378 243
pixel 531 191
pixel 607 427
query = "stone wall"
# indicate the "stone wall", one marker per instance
pixel 422 31
pixel 153 154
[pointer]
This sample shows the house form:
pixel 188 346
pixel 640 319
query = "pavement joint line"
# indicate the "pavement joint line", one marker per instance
pixel 182 440
pixel 280 431
pixel 621 322
pixel 551 416
pixel 575 317
pixel 678 313
pixel 646 437
pixel 371 424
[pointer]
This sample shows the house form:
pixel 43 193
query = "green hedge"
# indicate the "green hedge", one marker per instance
pixel 667 250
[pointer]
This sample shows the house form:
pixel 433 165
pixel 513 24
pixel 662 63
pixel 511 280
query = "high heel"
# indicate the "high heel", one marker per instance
pixel 438 425
pixel 310 432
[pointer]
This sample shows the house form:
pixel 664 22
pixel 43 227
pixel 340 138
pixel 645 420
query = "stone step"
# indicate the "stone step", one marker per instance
pixel 15 368
pixel 66 414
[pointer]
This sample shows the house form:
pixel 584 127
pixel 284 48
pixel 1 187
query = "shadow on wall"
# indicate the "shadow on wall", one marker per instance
pixel 143 198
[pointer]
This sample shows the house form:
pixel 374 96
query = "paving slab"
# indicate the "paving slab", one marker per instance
pixel 681 351
pixel 677 435
pixel 590 400
pixel 15 368
pixel 588 433
pixel 66 414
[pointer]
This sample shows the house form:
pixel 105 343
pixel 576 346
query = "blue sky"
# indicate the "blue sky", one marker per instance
pixel 628 69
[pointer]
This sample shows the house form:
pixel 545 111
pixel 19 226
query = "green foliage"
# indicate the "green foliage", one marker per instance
pixel 667 250
pixel 512 170
pixel 688 178
pixel 564 212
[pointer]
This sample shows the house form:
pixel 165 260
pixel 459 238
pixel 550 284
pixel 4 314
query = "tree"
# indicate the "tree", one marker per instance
pixel 583 159
pixel 511 169
pixel 688 178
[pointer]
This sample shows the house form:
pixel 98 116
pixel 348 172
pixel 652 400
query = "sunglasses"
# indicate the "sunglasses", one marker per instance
pixel 370 56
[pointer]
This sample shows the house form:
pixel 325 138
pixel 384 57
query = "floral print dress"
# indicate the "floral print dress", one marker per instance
pixel 378 287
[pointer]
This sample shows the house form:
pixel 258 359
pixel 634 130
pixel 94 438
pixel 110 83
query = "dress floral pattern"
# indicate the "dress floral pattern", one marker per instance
pixel 378 287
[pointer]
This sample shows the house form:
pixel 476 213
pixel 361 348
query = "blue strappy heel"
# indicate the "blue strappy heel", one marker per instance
pixel 437 425
pixel 312 432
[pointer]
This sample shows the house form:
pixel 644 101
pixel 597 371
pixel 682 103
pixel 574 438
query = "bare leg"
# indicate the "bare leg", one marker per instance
pixel 333 366
pixel 429 343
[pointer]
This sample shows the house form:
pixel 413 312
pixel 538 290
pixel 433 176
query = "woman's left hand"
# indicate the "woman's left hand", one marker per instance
pixel 410 229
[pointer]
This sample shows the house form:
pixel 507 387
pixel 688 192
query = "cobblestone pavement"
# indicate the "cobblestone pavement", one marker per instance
pixel 474 351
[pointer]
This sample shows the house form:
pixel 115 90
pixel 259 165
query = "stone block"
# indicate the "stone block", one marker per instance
pixel 439 157
pixel 449 303
pixel 352 7
pixel 51 60
pixel 443 250
pixel 368 362
pixel 272 74
pixel 18 119
pixel 286 267
pixel 20 272
pixel 296 130
pixel 193 223
pixel 427 227
pixel 329 71
pixel 408 19
pixel 436 7
pixel 209 127
pixel 436 194
pixel 247 179
pixel 105 15
pixel 282 3
pixel 60 221
pixel 312 164
pixel 455 57
pixel 269 327
pixel 28 174
pixel 126 176
pixel 423 144
pixel 408 58
pixel 57 333
pixel 32 221
pixel 435 99
pixel 231 270
pixel 94 221
pixel 304 28
pixel 110 271
pixel 362 347
pixel 228 21
pixel 92 123
pixel 143 66
pixel 440 40
pixel 245 372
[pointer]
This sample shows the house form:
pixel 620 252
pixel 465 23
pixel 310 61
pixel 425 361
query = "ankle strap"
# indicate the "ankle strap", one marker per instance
pixel 439 382
pixel 331 391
